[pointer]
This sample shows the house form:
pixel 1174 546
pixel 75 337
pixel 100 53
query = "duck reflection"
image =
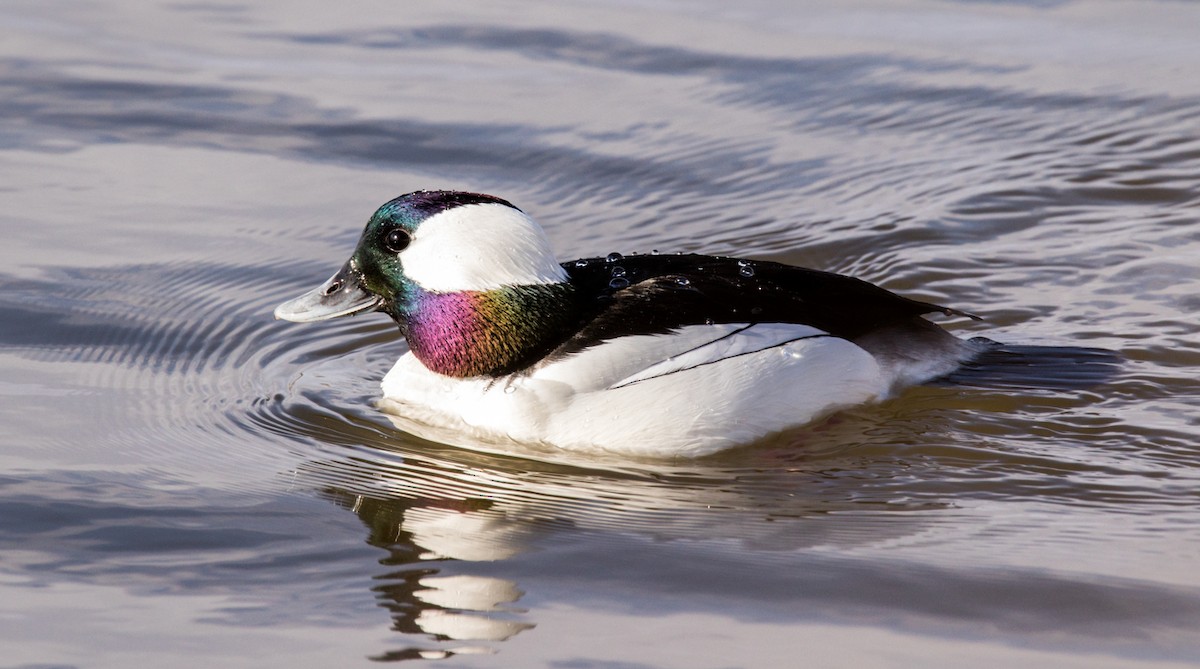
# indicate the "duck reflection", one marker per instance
pixel 437 509
pixel 423 601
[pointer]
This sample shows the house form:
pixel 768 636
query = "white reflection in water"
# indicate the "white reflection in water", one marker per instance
pixel 465 535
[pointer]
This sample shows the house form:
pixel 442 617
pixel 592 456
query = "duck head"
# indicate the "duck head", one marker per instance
pixel 431 243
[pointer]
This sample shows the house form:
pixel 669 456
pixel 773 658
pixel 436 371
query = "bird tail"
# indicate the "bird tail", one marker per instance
pixel 997 365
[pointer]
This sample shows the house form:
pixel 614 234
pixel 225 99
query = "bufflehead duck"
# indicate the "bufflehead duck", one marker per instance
pixel 646 355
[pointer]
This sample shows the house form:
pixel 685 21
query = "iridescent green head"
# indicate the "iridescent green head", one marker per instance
pixel 435 242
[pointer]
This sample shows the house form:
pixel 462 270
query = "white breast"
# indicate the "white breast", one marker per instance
pixel 696 391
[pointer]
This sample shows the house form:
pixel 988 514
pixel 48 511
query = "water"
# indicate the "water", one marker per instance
pixel 185 482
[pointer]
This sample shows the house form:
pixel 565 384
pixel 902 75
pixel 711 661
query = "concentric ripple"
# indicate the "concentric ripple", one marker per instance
pixel 194 358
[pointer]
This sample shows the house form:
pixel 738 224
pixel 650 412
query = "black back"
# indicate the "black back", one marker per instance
pixel 651 294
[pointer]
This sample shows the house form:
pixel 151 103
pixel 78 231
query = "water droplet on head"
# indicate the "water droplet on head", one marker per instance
pixel 613 257
pixel 618 283
pixel 755 311
pixel 581 263
pixel 746 270
pixel 653 252
pixel 618 271
pixel 682 281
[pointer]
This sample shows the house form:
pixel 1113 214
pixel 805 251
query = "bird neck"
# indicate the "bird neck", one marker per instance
pixel 488 333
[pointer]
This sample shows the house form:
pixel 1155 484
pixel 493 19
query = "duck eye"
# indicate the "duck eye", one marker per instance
pixel 397 240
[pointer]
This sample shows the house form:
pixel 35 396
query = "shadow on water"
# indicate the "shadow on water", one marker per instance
pixel 1022 366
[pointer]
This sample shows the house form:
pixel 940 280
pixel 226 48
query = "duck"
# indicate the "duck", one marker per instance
pixel 649 355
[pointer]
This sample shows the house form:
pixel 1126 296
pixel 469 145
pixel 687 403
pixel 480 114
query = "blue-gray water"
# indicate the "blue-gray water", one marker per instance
pixel 185 482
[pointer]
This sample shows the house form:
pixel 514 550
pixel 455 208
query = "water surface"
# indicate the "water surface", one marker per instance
pixel 186 482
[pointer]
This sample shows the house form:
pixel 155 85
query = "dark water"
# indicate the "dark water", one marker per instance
pixel 185 482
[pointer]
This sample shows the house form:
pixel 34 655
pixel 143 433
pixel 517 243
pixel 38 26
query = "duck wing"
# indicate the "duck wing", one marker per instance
pixel 657 294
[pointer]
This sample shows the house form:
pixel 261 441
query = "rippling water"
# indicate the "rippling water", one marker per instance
pixel 186 482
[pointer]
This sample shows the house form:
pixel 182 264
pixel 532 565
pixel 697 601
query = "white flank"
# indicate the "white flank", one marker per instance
pixel 727 341
pixel 698 390
pixel 480 247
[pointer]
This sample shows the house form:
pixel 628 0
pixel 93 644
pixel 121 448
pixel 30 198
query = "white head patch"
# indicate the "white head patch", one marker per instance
pixel 480 246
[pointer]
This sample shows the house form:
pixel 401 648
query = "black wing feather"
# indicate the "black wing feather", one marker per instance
pixel 654 294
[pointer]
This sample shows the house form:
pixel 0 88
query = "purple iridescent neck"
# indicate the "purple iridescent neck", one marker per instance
pixel 488 333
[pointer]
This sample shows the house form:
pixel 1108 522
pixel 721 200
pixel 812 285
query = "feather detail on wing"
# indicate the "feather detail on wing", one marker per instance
pixel 744 339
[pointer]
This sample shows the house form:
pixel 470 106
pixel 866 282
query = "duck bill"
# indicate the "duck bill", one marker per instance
pixel 342 295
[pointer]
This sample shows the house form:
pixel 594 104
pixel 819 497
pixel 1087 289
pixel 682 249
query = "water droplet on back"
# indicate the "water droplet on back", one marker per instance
pixel 581 263
pixel 682 281
pixel 614 257
pixel 746 270
pixel 618 271
pixel 618 283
